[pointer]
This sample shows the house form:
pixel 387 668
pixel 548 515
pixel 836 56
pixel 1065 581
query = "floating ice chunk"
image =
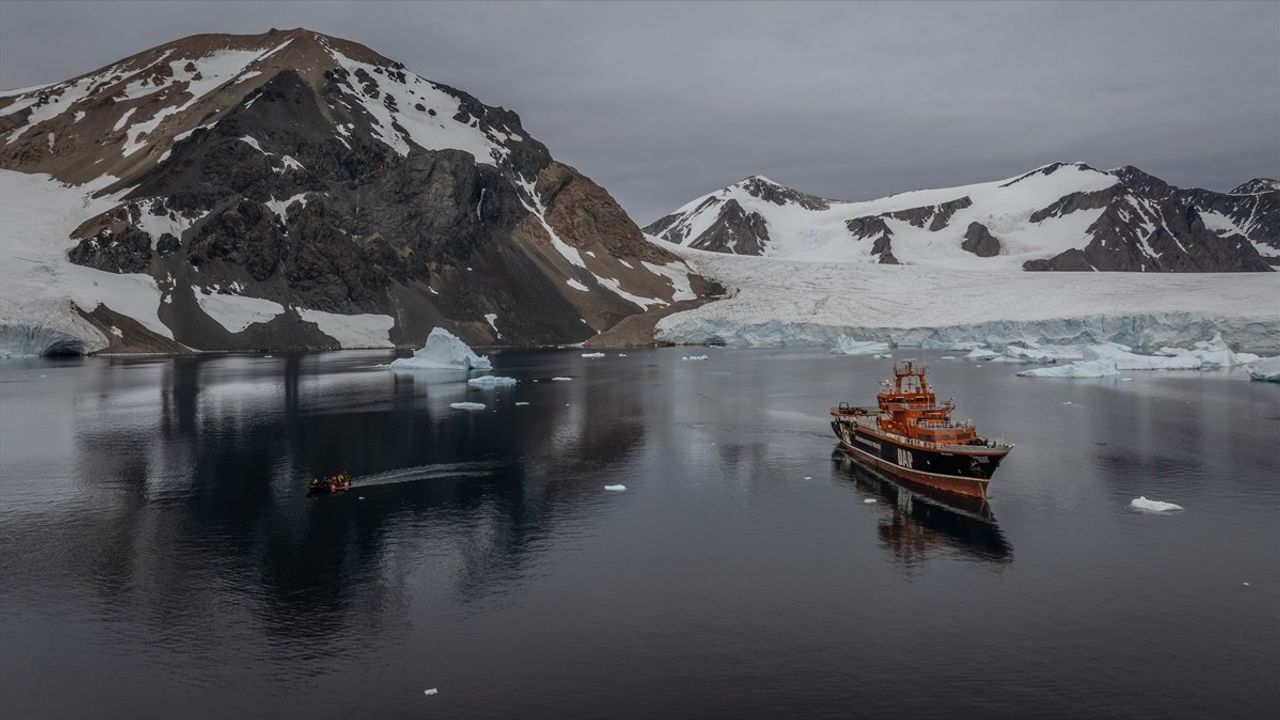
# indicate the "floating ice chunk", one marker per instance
pixel 696 357
pixel 521 403
pixel 849 346
pixel 430 691
pixel 1266 369
pixel 622 354
pixel 561 379
pixel 1066 402
pixel 869 501
pixel 1082 369
pixel 981 354
pixel 444 351
pixel 593 355
pixel 1020 354
pixel 491 381
pixel 467 406
pixel 948 357
pixel 1145 505
pixel 615 488
pixel 883 356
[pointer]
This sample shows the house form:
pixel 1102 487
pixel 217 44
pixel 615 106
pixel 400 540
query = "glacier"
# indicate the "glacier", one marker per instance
pixel 780 303
pixel 443 351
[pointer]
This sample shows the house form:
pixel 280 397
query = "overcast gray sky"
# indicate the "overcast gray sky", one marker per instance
pixel 661 102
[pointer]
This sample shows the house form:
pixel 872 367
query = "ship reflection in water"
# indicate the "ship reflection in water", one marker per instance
pixel 918 522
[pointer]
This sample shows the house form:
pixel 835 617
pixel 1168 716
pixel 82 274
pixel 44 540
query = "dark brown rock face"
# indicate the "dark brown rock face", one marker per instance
pixel 979 241
pixel 126 252
pixel 735 231
pixel 1147 225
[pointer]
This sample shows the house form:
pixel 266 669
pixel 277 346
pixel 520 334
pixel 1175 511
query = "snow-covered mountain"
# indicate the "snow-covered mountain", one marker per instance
pixel 1057 217
pixel 292 189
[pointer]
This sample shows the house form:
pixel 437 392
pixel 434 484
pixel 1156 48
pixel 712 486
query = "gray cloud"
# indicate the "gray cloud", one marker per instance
pixel 660 102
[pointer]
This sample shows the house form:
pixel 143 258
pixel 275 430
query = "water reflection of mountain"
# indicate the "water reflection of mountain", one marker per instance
pixel 191 492
pixel 916 523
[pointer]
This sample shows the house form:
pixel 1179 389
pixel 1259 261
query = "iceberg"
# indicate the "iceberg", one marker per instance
pixel 443 351
pixel 1081 369
pixel 491 381
pixel 467 406
pixel 1266 369
pixel 981 353
pixel 1145 505
pixel 849 346
pixel 1033 353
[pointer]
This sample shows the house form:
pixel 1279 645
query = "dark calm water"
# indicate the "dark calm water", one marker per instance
pixel 160 559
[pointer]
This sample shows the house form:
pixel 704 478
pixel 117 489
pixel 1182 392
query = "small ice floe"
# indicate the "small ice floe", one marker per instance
pixel 869 501
pixel 1246 584
pixel 467 406
pixel 267 356
pixel 360 498
pixel 849 346
pixel 883 356
pixel 981 353
pixel 432 691
pixel 808 477
pixel 593 355
pixel 615 488
pixel 622 354
pixel 1145 505
pixel 948 357
pixel 491 381
pixel 1066 402
pixel 695 357
pixel 561 379
pixel 521 403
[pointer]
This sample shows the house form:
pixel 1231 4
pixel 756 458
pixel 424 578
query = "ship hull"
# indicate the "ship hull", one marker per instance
pixel 959 471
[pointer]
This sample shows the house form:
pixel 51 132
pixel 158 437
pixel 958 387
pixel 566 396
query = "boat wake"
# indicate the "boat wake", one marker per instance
pixel 427 472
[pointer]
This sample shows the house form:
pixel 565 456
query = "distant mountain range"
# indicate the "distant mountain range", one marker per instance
pixel 292 189
pixel 1064 216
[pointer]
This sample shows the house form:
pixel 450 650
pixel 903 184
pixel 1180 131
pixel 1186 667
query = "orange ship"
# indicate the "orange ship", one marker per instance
pixel 912 437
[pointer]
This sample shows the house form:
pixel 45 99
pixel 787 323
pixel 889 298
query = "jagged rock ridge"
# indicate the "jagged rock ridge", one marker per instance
pixel 1064 216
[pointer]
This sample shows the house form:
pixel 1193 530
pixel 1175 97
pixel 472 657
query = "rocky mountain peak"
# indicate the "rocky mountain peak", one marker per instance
pixel 1255 186
pixel 316 180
